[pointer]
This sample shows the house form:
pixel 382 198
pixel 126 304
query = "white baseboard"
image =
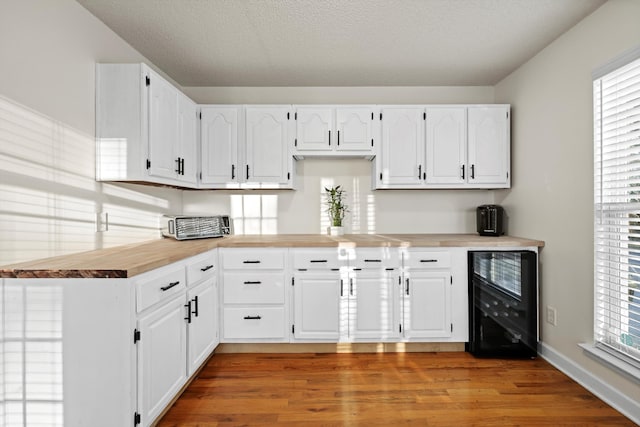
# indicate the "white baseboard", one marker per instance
pixel 622 403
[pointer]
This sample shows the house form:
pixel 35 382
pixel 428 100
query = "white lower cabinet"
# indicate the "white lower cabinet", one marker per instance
pixel 427 305
pixel 317 306
pixel 254 295
pixel 255 323
pixel 434 295
pixel 162 358
pixel 177 330
pixel 126 346
pixel 203 329
pixel 345 295
pixel 373 305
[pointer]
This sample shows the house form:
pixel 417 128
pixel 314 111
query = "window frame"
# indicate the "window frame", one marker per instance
pixel 606 306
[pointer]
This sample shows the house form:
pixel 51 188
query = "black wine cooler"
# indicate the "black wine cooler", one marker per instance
pixel 503 304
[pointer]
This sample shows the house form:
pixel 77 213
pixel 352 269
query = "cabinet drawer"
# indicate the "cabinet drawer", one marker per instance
pixel 201 267
pixel 253 259
pixel 159 285
pixel 254 323
pixel 376 258
pixel 253 288
pixel 427 259
pixel 318 259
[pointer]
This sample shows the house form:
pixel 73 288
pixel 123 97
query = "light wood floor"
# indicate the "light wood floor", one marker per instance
pixel 421 389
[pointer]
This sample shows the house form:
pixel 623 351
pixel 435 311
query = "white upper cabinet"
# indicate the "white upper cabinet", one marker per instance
pixel 401 159
pixel 489 147
pixel 187 146
pixel 163 127
pixel 313 129
pixel 268 161
pixel 442 146
pixel 146 129
pixel 357 129
pixel 335 131
pixel 219 137
pixel 246 147
pixel 446 145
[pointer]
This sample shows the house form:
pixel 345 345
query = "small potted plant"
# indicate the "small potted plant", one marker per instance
pixel 336 209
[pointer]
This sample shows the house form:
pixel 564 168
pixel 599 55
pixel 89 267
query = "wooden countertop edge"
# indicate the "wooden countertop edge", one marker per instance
pixel 116 262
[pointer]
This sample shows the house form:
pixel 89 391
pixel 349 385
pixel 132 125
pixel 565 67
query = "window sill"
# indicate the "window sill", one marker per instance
pixel 627 370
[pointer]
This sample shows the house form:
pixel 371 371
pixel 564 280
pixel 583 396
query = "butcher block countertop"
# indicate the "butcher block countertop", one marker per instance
pixel 131 260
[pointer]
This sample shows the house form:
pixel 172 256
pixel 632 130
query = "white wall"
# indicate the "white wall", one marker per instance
pixel 552 161
pixel 48 194
pixel 302 211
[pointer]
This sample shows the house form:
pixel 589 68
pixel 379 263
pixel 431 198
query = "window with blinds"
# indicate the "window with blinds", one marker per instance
pixel 616 101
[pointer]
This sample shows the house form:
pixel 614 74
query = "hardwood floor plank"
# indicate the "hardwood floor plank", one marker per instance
pixel 371 389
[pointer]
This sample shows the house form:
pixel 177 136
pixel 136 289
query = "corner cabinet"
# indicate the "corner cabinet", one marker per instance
pixel 146 129
pixel 444 146
pixel 117 351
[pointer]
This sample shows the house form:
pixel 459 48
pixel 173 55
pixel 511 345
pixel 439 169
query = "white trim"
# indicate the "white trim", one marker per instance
pixel 619 61
pixel 624 404
pixel 613 360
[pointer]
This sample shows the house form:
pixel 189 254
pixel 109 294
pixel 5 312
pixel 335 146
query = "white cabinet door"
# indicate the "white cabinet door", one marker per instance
pixel 187 140
pixel 162 358
pixel 267 149
pixel 354 129
pixel 446 145
pixel 203 329
pixel 374 306
pixel 427 304
pixel 314 128
pixel 219 142
pixel 402 146
pixel 318 305
pixel 489 151
pixel 163 129
pixel 146 129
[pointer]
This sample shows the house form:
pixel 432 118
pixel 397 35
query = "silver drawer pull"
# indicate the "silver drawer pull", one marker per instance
pixel 252 317
pixel 251 262
pixel 169 286
pixel 249 282
pixel 208 267
pixel 428 260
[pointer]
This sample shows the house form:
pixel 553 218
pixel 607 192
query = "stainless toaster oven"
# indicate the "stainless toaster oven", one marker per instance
pixel 184 227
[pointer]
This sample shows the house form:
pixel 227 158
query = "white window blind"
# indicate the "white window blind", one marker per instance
pixel 616 100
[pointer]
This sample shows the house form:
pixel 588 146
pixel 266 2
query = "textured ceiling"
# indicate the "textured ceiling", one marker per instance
pixel 339 42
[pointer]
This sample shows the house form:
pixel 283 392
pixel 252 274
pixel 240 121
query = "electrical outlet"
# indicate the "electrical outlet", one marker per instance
pixel 102 222
pixel 552 315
